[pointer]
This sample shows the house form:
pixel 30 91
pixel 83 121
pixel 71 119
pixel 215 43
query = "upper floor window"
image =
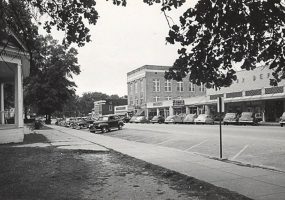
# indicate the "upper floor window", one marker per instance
pixel 156 85
pixel 180 86
pixel 202 88
pixel 156 99
pixel 110 107
pixel 141 86
pixel 261 76
pixel 131 88
pixel 268 75
pixel 131 101
pixel 254 77
pixel 191 87
pixel 136 101
pixel 167 86
pixel 136 87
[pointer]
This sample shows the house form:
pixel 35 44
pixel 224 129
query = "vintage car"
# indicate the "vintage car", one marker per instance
pixel 140 119
pixel 231 118
pixel 189 118
pixel 106 123
pixel 248 118
pixel 173 119
pixel 157 119
pixel 83 123
pixel 282 120
pixel 204 119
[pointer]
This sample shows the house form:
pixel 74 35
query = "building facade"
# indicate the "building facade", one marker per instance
pixel 105 107
pixel 14 66
pixel 150 94
pixel 251 92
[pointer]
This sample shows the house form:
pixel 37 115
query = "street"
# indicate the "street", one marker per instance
pixel 256 145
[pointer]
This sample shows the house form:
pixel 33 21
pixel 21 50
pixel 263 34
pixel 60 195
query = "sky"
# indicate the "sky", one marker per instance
pixel 124 39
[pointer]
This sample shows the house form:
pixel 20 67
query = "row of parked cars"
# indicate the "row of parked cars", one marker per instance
pixel 244 118
pixel 103 124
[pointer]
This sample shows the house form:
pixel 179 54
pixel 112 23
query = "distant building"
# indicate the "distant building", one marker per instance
pixel 151 94
pixel 105 107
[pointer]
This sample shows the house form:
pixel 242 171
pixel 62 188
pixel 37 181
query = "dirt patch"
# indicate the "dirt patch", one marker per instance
pixel 51 173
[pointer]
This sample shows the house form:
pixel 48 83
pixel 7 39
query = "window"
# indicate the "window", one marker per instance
pixel 261 76
pixel 156 99
pixel 179 98
pixel 141 100
pixel 136 101
pixel 202 88
pixel 131 88
pixel 254 78
pixel 156 85
pixel 191 87
pixel 141 85
pixel 136 87
pixel 167 86
pixel 131 101
pixel 168 98
pixel 180 86
pixel 110 107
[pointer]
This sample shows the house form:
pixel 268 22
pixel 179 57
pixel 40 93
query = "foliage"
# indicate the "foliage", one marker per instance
pixel 70 16
pixel 216 34
pixel 50 86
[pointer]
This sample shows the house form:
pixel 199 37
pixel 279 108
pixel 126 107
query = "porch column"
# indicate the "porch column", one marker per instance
pixel 171 111
pixel 207 109
pixel 187 110
pixel 19 96
pixel 157 111
pixel 2 116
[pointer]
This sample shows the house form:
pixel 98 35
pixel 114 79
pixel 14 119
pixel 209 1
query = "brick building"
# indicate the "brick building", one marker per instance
pixel 149 93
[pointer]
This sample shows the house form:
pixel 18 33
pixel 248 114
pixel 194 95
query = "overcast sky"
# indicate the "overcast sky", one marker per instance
pixel 124 39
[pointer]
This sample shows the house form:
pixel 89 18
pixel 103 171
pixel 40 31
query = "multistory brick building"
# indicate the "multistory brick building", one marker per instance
pixel 150 93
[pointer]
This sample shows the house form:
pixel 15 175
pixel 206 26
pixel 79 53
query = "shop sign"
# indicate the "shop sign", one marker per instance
pixel 178 103
pixel 157 104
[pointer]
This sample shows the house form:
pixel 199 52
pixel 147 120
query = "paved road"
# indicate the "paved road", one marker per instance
pixel 262 145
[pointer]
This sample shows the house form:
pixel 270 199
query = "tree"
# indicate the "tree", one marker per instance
pixel 66 15
pixel 50 86
pixel 217 34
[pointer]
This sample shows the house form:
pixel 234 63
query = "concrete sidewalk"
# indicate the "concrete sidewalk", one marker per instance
pixel 255 183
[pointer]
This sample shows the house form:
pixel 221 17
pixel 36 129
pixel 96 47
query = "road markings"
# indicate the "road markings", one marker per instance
pixel 240 152
pixel 196 145
pixel 165 141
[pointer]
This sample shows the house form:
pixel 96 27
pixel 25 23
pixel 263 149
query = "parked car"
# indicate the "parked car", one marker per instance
pixel 282 120
pixel 190 118
pixel 231 118
pixel 157 119
pixel 83 123
pixel 106 123
pixel 204 119
pixel 141 119
pixel 174 119
pixel 248 118
pixel 133 118
pixel 126 119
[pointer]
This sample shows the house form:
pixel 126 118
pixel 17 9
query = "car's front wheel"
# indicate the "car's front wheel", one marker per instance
pixel 104 129
pixel 120 127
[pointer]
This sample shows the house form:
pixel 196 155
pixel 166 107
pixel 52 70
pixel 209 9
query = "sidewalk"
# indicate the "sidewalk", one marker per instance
pixel 255 183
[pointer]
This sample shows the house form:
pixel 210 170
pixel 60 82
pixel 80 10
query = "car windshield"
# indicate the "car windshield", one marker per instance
pixel 202 116
pixel 246 114
pixel 155 117
pixel 104 118
pixel 170 117
pixel 230 115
